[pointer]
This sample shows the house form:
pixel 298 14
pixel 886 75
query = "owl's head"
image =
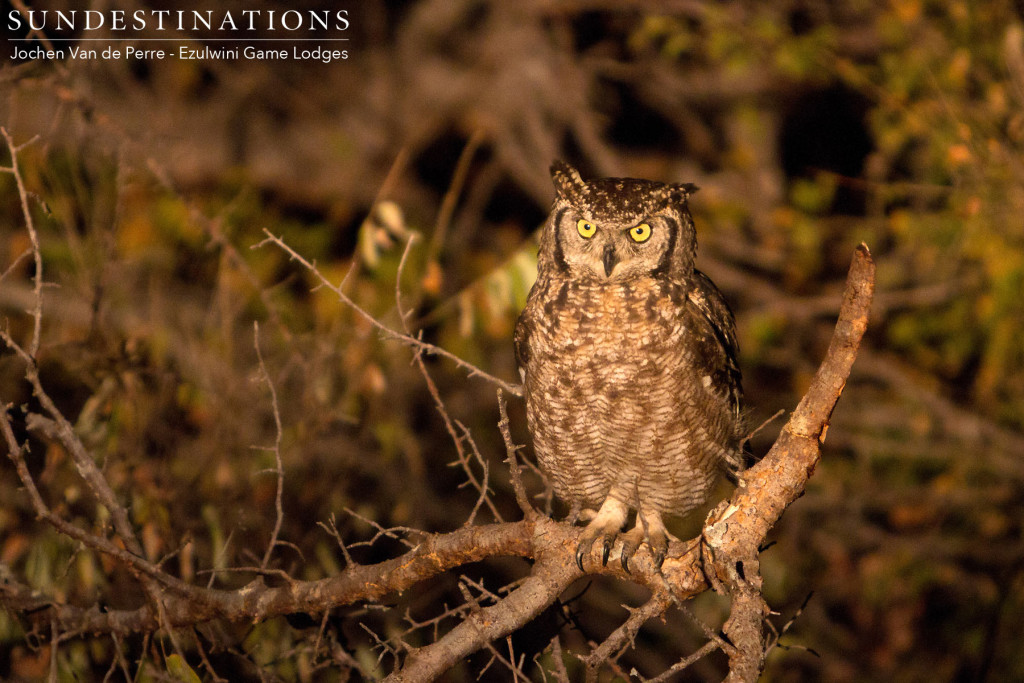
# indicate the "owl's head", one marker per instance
pixel 618 229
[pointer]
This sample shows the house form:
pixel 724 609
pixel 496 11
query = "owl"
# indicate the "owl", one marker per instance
pixel 628 359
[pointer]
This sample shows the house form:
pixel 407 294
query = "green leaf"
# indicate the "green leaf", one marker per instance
pixel 179 670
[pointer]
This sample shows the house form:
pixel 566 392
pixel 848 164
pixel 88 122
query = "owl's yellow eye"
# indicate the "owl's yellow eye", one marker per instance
pixel 586 229
pixel 640 233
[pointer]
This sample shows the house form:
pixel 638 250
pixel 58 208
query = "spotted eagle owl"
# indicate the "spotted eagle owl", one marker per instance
pixel 628 356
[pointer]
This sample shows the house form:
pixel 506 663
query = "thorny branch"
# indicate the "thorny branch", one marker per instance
pixel 449 424
pixel 388 332
pixel 279 466
pixel 513 462
pixel 30 227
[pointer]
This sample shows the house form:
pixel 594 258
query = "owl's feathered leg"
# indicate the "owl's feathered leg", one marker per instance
pixel 648 526
pixel 576 512
pixel 605 525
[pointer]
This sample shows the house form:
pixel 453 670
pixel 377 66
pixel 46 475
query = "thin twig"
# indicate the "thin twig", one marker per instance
pixel 778 633
pixel 207 664
pixel 37 254
pixel 556 653
pixel 146 570
pixel 615 644
pixel 388 333
pixel 16 262
pixel 84 462
pixel 38 34
pixel 278 505
pixel 119 656
pixel 754 432
pixel 513 462
pixel 385 647
pixel 704 651
pixel 439 405
pixel 684 608
pixel 482 487
pixel 320 634
pixel 332 529
pixel 382 531
pixel 54 640
pixel 398 281
pixel 459 611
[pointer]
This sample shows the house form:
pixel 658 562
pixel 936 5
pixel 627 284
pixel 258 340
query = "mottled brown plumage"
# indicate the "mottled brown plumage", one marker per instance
pixel 628 357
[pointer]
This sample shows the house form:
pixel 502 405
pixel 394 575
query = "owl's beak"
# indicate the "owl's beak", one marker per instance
pixel 609 259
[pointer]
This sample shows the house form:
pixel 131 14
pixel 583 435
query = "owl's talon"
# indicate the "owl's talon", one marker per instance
pixel 659 546
pixel 604 526
pixel 629 547
pixel 582 550
pixel 659 559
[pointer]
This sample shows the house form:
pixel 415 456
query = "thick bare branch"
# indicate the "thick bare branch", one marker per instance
pixel 192 605
pixel 735 530
pixel 550 576
pixel 553 542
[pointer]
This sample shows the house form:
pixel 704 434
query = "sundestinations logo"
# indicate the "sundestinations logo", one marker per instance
pixel 190 34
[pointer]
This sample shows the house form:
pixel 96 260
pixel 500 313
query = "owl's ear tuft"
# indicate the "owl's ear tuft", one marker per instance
pixel 678 192
pixel 567 181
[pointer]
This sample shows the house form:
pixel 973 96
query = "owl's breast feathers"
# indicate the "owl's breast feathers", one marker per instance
pixel 619 371
pixel 625 332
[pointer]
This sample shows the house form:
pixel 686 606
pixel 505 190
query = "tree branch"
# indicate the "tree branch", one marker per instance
pixel 550 576
pixel 735 530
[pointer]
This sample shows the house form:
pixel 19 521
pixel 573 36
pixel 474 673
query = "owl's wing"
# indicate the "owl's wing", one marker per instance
pixel 717 346
pixel 521 339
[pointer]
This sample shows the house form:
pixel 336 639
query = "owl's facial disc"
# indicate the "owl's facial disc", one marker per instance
pixel 614 252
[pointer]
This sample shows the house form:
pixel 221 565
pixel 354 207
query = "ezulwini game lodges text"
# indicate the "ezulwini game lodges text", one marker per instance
pixel 317 53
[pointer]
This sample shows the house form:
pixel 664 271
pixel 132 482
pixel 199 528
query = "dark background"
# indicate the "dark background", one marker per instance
pixel 809 127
